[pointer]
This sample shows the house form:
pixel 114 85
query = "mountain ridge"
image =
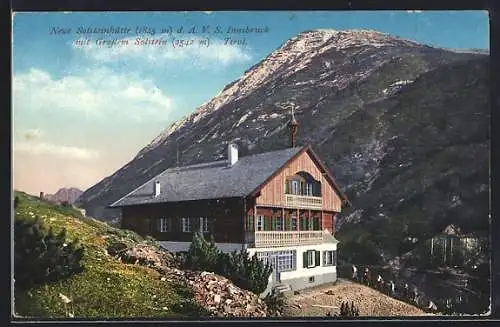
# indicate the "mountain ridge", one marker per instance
pixel 65 194
pixel 347 89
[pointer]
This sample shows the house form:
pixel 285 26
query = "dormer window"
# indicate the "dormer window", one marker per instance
pixel 303 184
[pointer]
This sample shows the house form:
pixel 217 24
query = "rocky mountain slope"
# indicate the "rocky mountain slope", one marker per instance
pixel 403 126
pixel 65 194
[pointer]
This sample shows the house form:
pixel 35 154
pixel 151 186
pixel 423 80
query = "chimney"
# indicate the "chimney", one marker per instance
pixel 293 126
pixel 41 195
pixel 232 154
pixel 157 189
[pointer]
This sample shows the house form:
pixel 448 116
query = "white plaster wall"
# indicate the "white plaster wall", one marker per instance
pixel 300 270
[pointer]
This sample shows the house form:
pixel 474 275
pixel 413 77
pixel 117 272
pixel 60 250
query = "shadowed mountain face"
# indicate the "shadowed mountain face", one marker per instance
pixel 404 128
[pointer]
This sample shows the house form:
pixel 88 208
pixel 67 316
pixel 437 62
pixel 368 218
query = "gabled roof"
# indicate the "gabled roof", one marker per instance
pixel 210 180
pixel 215 180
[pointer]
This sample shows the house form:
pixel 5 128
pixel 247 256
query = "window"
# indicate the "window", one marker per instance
pixel 294 223
pixel 295 187
pixel 203 225
pixel 311 279
pixel 311 259
pixel 309 189
pixel 329 258
pixel 313 223
pixel 186 225
pixel 279 223
pixel 250 223
pixel 279 260
pixel 259 224
pixel 163 225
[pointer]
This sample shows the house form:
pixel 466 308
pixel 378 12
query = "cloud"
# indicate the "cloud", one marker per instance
pixel 32 134
pixel 196 55
pixel 414 11
pixel 62 151
pixel 97 92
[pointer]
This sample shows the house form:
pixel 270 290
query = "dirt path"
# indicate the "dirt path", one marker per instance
pixel 328 299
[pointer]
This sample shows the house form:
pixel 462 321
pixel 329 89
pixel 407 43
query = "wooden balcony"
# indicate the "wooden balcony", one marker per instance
pixel 286 238
pixel 303 201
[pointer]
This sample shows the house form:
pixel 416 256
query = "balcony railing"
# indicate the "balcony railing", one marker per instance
pixel 302 201
pixel 287 238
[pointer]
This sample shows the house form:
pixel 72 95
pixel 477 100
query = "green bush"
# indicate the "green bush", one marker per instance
pixel 246 272
pixel 41 256
pixel 16 202
pixel 275 302
pixel 202 254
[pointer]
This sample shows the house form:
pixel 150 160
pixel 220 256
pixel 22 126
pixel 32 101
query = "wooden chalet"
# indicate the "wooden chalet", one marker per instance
pixel 280 205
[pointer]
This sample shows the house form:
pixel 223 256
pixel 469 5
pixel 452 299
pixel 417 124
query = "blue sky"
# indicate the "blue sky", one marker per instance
pixel 82 112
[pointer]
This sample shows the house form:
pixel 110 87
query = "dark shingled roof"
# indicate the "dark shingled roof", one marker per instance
pixel 210 180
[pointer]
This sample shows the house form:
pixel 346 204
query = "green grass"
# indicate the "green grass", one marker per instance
pixel 106 288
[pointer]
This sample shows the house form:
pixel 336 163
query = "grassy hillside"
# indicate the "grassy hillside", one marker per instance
pixel 106 287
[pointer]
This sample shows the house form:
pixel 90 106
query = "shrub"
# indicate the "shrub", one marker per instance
pixel 246 272
pixel 275 302
pixel 202 254
pixel 16 202
pixel 41 256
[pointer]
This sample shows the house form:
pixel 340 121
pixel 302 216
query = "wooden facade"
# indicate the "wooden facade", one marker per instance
pixel 225 221
pixel 234 220
pixel 273 193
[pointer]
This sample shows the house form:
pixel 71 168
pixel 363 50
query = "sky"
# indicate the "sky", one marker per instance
pixel 83 106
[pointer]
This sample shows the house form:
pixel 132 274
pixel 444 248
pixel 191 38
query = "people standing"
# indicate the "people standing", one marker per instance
pixel 415 294
pixel 380 282
pixel 354 273
pixel 406 291
pixel 392 288
pixel 366 277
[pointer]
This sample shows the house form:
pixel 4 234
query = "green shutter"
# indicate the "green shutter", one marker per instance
pixel 273 220
pixel 250 223
pixel 317 260
pixel 288 223
pixel 304 259
pixel 266 222
pixel 287 187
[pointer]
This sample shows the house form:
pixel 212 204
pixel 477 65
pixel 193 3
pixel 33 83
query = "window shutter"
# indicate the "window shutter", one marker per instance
pixel 273 219
pixel 304 259
pixel 266 222
pixel 317 260
pixel 324 258
pixel 287 187
pixel 250 223
pixel 334 262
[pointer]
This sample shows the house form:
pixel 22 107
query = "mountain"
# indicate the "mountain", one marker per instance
pixel 65 194
pixel 403 126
